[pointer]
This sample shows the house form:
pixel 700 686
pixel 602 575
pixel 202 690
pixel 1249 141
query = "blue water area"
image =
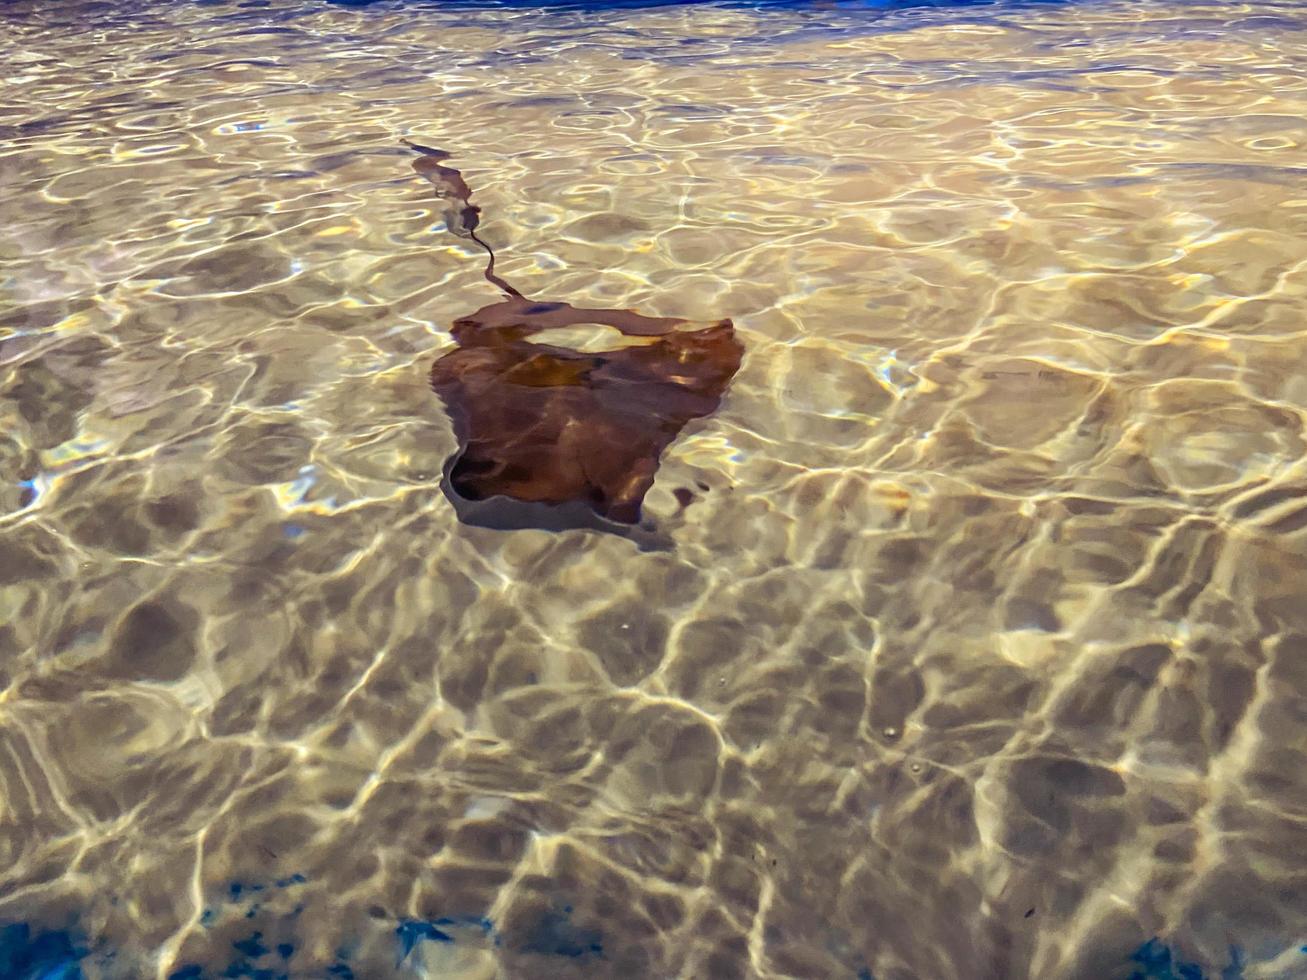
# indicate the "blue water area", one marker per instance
pixel 600 6
pixel 252 947
pixel 1154 960
pixel 253 958
pixel 552 934
pixel 245 898
pixel 30 954
pixel 411 932
pixel 265 952
pixel 1157 961
pixel 268 952
pixel 797 19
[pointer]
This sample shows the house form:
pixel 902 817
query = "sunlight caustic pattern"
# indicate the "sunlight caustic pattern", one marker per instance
pixel 981 655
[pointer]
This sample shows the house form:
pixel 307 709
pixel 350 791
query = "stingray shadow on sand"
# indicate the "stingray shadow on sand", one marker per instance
pixel 555 438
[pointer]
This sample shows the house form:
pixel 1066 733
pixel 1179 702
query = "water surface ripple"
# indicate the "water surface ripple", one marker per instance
pixel 983 654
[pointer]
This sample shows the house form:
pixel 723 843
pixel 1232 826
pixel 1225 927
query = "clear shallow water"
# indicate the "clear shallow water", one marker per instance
pixel 982 656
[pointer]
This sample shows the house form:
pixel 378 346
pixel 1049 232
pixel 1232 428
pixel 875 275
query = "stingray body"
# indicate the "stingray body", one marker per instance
pixel 552 437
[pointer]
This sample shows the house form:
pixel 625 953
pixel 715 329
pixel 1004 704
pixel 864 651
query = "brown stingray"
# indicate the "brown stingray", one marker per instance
pixel 552 437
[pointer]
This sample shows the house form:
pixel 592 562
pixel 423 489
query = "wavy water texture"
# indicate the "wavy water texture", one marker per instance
pixel 982 656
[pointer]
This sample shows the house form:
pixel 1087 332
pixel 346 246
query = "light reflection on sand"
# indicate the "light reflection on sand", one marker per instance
pixel 981 657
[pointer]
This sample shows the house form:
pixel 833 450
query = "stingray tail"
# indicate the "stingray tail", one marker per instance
pixel 490 274
pixel 451 185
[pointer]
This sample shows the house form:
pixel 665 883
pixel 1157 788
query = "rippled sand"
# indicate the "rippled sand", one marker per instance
pixel 983 656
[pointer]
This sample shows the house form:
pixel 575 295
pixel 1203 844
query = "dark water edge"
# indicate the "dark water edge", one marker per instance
pixel 845 15
pixel 600 6
pixel 795 20
pixel 261 925
pixel 268 951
